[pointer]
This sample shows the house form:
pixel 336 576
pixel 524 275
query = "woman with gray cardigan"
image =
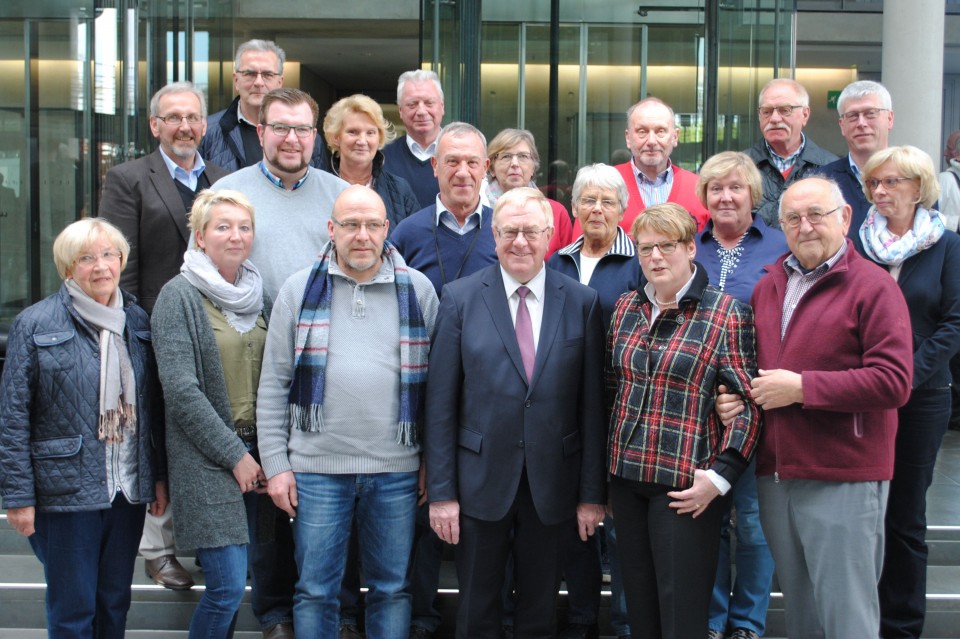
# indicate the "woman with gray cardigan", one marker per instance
pixel 209 329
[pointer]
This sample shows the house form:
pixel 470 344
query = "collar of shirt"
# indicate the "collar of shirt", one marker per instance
pixel 178 173
pixel 278 182
pixel 537 286
pixel 855 169
pixel 793 264
pixel 242 118
pixel 622 245
pixel 449 220
pixel 784 163
pixel 661 179
pixel 419 152
pixel 652 295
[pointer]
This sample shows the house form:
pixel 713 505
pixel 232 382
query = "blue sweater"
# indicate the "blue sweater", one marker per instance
pixel 441 254
pixel 418 173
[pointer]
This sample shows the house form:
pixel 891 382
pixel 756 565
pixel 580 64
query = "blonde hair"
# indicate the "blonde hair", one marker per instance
pixel 202 209
pixel 75 240
pixel 668 219
pixel 520 197
pixel 722 164
pixel 913 163
pixel 360 104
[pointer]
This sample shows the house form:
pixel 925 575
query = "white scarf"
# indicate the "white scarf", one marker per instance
pixel 240 301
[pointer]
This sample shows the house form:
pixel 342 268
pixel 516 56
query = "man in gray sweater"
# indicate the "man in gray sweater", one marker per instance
pixel 293 200
pixel 344 371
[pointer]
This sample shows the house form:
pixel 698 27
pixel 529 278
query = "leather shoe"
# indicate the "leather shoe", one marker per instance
pixel 350 631
pixel 279 631
pixel 580 631
pixel 168 572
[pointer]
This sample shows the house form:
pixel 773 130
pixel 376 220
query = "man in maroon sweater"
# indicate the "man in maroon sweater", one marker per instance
pixel 835 356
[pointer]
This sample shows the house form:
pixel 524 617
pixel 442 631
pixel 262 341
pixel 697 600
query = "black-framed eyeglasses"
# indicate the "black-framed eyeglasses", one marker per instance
pixel 510 234
pixel 352 226
pixel 250 75
pixel 889 183
pixel 283 130
pixel 792 220
pixel 666 248
pixel 785 111
pixel 176 119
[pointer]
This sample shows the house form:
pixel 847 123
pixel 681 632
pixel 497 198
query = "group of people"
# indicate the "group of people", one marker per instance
pixel 320 359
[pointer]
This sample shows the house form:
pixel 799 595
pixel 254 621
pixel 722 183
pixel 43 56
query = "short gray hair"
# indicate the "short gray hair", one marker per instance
pixel 863 89
pixel 267 46
pixel 802 96
pixel 418 75
pixel 460 129
pixel 602 176
pixel 177 87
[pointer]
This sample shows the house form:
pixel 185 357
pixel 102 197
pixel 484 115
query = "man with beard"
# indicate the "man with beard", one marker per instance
pixel 785 154
pixel 293 200
pixel 149 200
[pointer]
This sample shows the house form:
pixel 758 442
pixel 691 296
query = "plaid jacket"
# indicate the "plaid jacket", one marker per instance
pixel 661 382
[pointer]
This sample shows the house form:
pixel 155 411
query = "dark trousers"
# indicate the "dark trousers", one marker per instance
pixel 424 575
pixel 273 569
pixel 669 561
pixel 903 583
pixel 481 557
pixel 88 560
pixel 580 565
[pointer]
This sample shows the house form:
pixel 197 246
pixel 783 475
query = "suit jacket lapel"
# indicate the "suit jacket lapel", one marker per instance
pixel 553 299
pixel 496 302
pixel 169 194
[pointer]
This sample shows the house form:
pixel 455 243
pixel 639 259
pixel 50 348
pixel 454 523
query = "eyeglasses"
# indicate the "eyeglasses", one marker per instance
pixel 110 256
pixel 643 134
pixel 510 234
pixel 508 158
pixel 889 183
pixel 175 120
pixel 852 117
pixel 666 248
pixel 350 226
pixel 250 75
pixel 792 220
pixel 605 204
pixel 283 130
pixel 784 111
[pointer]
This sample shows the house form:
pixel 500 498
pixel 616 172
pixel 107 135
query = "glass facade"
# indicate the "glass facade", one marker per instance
pixel 77 76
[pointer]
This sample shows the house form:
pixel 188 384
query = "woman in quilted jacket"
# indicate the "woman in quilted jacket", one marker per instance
pixel 81 433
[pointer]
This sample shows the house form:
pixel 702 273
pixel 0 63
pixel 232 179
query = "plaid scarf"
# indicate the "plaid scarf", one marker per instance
pixel 313 334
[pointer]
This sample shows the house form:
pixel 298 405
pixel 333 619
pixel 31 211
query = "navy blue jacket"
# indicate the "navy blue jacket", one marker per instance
pixel 616 273
pixel 930 282
pixel 852 190
pixel 50 456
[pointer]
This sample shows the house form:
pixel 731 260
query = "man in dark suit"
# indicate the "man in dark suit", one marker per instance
pixel 514 438
pixel 866 117
pixel 148 199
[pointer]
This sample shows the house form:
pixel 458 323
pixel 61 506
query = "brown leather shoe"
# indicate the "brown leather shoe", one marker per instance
pixel 279 631
pixel 168 572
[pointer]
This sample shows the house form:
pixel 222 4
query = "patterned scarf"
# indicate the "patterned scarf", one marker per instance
pixel 883 246
pixel 312 338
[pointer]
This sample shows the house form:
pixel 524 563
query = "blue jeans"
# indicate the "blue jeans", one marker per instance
pixel 384 505
pixel 747 606
pixel 88 560
pixel 225 576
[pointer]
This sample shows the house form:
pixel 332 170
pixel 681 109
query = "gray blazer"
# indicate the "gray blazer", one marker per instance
pixel 208 507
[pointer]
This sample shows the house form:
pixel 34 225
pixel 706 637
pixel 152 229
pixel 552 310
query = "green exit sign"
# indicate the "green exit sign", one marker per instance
pixel 832 97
